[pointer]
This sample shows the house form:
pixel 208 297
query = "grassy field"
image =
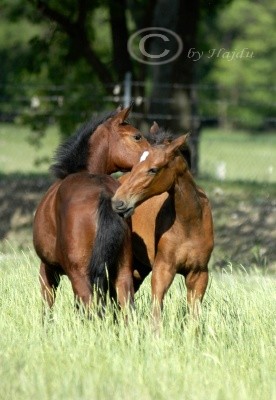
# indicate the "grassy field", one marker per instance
pixel 244 210
pixel 239 156
pixel 18 155
pixel 232 355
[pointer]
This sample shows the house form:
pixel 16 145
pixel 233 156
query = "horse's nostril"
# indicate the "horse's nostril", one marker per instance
pixel 118 204
pixel 122 208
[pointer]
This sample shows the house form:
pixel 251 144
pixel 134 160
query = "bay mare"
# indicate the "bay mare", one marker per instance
pixel 75 230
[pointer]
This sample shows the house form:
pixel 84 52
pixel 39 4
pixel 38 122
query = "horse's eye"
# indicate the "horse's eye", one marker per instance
pixel 153 171
pixel 137 137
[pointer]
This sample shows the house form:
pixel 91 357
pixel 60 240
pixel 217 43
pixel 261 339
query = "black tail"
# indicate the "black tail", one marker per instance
pixel 111 231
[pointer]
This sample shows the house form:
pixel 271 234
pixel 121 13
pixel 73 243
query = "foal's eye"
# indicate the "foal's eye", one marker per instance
pixel 153 171
pixel 137 137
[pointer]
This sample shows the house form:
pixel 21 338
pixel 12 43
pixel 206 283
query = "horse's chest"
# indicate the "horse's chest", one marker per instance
pixel 184 249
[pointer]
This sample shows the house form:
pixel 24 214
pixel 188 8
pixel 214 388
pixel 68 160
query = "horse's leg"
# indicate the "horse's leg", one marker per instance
pixel 196 283
pixel 81 287
pixel 124 288
pixel 124 281
pixel 162 277
pixel 49 279
pixel 124 292
pixel 140 272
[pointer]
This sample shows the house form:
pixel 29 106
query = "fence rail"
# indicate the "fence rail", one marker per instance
pixel 223 155
pixel 217 104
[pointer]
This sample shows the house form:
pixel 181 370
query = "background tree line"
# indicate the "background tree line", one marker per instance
pixel 79 49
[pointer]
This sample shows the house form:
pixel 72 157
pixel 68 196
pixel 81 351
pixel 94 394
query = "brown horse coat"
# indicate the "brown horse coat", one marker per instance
pixel 173 228
pixel 70 232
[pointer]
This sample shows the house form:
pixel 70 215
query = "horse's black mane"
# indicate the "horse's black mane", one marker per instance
pixel 163 135
pixel 159 137
pixel 71 156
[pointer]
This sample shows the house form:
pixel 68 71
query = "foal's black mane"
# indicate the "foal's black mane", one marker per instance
pixel 163 135
pixel 71 156
pixel 159 137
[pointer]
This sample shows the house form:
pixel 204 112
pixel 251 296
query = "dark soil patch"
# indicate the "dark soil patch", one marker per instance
pixel 244 218
pixel 19 197
pixel 245 225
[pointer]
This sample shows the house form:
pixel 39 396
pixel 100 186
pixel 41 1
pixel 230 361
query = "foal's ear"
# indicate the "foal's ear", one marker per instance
pixel 176 144
pixel 154 128
pixel 123 114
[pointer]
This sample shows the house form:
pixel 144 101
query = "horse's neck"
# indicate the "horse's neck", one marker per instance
pixel 98 155
pixel 187 197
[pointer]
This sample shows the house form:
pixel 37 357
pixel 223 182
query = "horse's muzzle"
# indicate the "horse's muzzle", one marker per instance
pixel 121 208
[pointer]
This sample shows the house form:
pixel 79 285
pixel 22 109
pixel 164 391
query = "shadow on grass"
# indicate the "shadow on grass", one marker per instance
pixel 244 217
pixel 245 223
pixel 19 197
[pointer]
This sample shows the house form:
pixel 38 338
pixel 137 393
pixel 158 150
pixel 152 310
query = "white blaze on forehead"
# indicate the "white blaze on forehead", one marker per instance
pixel 144 156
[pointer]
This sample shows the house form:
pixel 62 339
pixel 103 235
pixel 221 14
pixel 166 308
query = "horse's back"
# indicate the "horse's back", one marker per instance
pixel 79 186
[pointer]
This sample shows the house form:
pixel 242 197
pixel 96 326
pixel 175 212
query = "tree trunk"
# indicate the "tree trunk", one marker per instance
pixel 182 17
pixel 121 57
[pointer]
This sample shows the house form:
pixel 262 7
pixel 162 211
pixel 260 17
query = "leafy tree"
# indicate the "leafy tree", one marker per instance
pixel 244 71
pixel 76 52
pixel 60 60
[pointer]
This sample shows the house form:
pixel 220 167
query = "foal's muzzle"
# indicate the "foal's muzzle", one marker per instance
pixel 122 208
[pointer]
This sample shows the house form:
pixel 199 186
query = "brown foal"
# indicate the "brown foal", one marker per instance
pixel 172 229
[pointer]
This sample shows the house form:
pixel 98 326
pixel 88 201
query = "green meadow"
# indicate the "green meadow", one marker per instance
pixel 19 155
pixel 230 354
pixel 243 156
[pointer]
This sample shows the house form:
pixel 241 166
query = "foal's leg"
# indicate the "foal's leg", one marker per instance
pixel 141 271
pixel 162 277
pixel 196 283
pixel 49 279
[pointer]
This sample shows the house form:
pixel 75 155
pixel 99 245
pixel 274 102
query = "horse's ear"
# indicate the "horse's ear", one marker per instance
pixel 176 144
pixel 123 114
pixel 119 108
pixel 154 128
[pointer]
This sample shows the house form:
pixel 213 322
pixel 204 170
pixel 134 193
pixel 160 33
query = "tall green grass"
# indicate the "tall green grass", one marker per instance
pixel 232 355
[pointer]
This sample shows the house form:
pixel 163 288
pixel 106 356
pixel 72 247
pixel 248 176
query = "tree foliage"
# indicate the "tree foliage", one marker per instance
pixel 75 52
pixel 246 67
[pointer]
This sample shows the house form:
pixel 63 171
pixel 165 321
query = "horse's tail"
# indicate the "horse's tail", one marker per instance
pixel 108 245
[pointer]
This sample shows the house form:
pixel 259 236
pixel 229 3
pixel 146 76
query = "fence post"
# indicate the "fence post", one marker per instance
pixel 127 89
